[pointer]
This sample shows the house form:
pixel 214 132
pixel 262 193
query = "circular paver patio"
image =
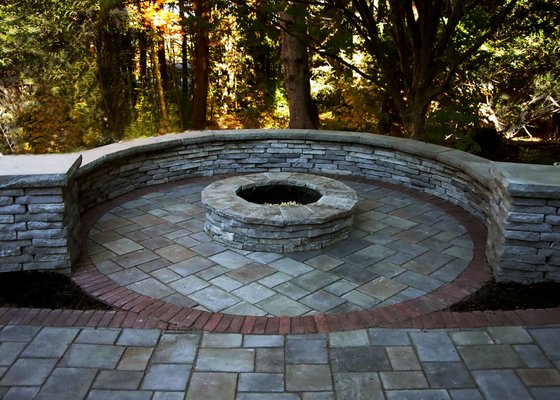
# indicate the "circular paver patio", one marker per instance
pixel 402 247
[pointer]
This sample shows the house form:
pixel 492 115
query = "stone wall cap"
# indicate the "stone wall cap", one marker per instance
pixel 475 166
pixel 42 170
pixel 529 180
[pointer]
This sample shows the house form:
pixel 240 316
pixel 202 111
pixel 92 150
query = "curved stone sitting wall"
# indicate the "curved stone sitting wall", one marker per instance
pixel 519 204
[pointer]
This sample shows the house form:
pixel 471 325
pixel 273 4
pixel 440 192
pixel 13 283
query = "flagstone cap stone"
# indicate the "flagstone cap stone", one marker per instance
pixel 44 170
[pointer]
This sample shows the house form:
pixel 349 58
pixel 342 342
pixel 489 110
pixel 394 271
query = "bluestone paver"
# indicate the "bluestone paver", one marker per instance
pixel 212 385
pixel 500 384
pixel 308 378
pixel 67 384
pixel 434 346
pixel 166 377
pixel 364 385
pixel 226 360
pixel 51 342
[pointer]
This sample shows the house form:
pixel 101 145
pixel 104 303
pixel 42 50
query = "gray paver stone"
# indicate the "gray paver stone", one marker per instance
pixel 308 378
pixel 168 396
pixel 403 358
pixel 135 359
pixel 212 385
pixel 359 359
pixel 92 356
pixel 119 395
pixel 221 340
pixel 28 372
pixel 98 336
pixel 547 339
pixel 269 360
pixel 403 380
pixel 15 333
pixel 167 377
pixel 447 375
pixel 50 342
pixel 9 351
pixel 426 394
pixel 388 337
pixel 225 360
pixel 465 394
pixel 260 382
pixel 123 380
pixel 263 341
pixel 471 337
pixel 176 348
pixel 267 396
pixel 500 384
pixel 139 337
pixel 510 334
pixel 350 386
pixel 21 393
pixel 349 338
pixel 318 396
pixel 546 393
pixel 539 376
pixel 307 352
pixel 67 384
pixel 434 346
pixel 532 356
pixel 490 356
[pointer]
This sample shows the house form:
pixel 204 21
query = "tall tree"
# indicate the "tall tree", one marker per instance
pixel 184 105
pixel 114 58
pixel 295 61
pixel 201 63
pixel 420 45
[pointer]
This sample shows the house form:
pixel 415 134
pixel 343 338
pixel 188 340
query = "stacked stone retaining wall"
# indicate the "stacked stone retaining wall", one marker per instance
pixel 519 204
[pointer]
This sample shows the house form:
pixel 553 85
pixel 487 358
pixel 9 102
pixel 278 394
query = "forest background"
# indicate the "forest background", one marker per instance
pixel 471 74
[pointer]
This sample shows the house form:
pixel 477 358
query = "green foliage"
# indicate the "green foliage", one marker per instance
pixel 519 75
pixel 48 88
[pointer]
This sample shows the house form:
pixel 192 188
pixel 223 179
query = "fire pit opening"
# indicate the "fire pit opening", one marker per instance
pixel 278 194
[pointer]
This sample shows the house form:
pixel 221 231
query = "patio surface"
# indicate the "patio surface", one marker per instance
pixel 505 363
pixel 401 247
pixel 306 326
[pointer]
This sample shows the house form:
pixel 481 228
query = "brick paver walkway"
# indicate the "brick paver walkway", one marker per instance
pixel 69 363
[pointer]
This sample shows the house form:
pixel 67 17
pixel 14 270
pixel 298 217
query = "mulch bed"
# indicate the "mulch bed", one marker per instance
pixel 44 290
pixel 56 291
pixel 511 296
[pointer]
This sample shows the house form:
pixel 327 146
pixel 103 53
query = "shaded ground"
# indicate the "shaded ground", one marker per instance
pixel 44 290
pixel 57 291
pixel 511 296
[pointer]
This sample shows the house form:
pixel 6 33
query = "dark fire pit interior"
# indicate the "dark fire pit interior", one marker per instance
pixel 279 193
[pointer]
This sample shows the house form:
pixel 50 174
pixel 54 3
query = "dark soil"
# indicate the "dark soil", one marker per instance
pixel 511 296
pixel 44 290
pixel 56 291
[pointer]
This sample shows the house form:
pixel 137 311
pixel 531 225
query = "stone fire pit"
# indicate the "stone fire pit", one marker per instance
pixel 279 212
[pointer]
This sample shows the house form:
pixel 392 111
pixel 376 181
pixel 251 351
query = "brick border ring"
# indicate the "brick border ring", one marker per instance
pixel 236 222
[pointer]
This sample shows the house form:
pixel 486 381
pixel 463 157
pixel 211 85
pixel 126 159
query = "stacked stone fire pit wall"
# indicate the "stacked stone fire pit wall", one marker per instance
pixel 519 204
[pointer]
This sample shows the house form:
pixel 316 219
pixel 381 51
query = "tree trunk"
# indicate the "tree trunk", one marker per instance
pixel 414 118
pixel 303 112
pixel 114 54
pixel 163 115
pixel 143 45
pixel 201 66
pixel 162 60
pixel 184 103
